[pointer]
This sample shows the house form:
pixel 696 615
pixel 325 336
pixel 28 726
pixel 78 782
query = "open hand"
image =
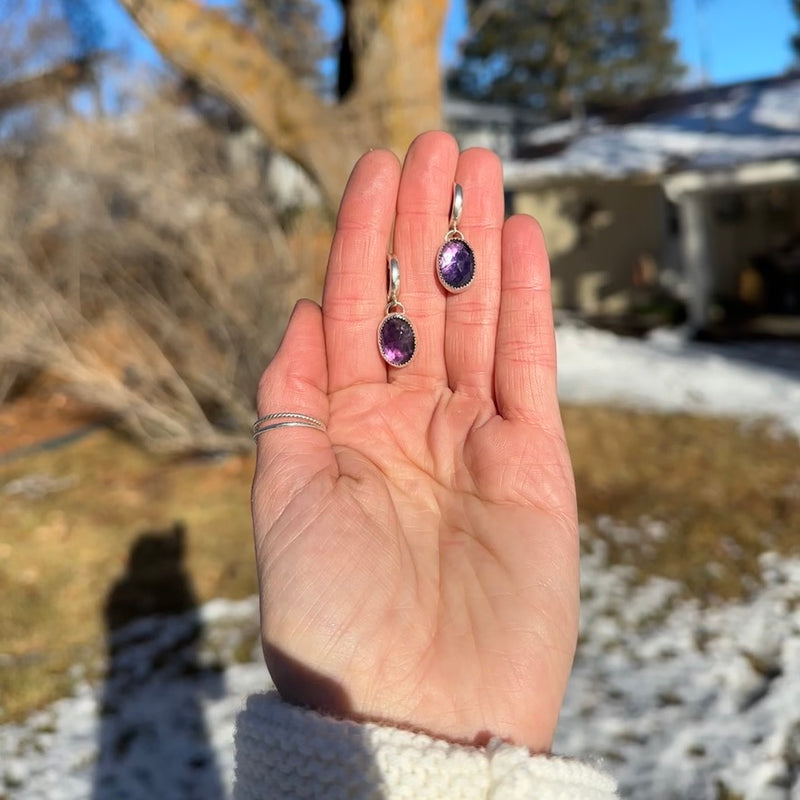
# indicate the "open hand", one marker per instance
pixel 418 562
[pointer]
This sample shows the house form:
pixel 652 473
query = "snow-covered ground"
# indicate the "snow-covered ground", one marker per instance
pixel 666 372
pixel 676 701
pixel 684 702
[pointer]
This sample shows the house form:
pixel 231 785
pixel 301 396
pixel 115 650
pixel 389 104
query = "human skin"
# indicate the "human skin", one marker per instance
pixel 418 563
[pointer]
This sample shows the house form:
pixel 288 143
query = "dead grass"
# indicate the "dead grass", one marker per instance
pixel 726 493
pixel 60 554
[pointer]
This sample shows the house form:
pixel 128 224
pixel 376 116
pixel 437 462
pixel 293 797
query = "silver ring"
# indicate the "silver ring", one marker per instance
pixel 286 425
pixel 290 415
pixel 288 419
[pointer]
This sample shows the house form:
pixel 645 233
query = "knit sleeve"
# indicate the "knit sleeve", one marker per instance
pixel 290 753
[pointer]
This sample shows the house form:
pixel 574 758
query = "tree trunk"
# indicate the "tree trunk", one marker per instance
pixel 396 91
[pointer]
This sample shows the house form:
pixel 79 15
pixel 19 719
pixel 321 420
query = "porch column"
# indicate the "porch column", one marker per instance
pixel 696 256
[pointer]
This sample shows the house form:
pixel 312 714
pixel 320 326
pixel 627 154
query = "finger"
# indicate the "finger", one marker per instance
pixel 294 382
pixel 472 314
pixel 423 210
pixel 354 300
pixel 525 364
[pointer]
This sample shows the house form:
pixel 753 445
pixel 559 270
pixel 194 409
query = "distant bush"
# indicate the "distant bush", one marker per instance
pixel 145 274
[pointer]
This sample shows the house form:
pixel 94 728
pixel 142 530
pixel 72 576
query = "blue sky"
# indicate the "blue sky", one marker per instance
pixel 728 40
pixel 744 38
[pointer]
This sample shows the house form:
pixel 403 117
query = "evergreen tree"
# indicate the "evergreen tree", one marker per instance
pixel 558 56
pixel 796 36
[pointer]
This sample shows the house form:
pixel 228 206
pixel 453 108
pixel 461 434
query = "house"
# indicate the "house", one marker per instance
pixel 695 196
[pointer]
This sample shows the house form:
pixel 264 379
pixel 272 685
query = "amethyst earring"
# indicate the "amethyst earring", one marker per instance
pixel 455 261
pixel 397 339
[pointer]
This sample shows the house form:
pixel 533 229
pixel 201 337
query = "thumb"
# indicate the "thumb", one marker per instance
pixel 294 383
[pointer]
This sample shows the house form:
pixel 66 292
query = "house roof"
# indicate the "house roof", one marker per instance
pixel 701 130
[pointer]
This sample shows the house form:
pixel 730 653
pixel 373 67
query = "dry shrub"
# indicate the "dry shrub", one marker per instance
pixel 143 270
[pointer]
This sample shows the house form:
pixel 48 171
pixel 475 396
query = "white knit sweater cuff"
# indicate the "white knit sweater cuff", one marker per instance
pixel 287 752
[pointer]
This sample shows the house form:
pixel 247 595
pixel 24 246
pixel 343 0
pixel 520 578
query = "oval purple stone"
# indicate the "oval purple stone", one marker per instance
pixel 397 340
pixel 455 265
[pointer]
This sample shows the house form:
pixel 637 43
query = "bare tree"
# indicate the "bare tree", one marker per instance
pixel 389 78
pixel 292 32
pixel 55 83
pixel 35 38
pixel 49 48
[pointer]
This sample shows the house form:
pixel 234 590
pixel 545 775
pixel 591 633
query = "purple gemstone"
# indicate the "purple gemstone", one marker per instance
pixel 397 340
pixel 456 265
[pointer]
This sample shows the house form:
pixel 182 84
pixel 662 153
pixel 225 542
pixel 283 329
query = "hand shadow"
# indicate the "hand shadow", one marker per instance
pixel 153 739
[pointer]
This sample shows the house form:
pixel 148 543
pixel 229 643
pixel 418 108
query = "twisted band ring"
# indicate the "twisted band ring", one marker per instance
pixel 286 419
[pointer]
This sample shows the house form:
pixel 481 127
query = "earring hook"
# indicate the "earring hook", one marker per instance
pixel 394 278
pixel 392 303
pixel 458 206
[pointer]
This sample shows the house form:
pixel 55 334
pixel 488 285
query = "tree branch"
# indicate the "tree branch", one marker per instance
pixel 394 89
pixel 53 83
pixel 206 45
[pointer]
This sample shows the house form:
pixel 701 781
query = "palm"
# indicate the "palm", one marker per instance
pixel 418 565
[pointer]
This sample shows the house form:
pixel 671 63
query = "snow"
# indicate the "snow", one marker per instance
pixel 777 108
pixel 731 126
pixel 677 701
pixel 161 726
pixel 684 705
pixel 652 149
pixel 668 372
